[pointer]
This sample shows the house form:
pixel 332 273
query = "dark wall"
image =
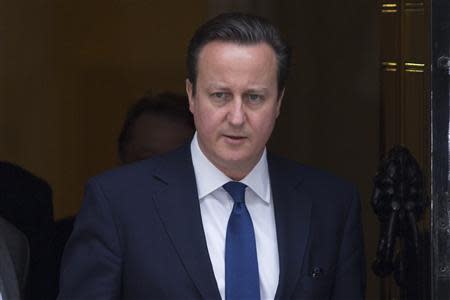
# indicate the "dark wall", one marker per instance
pixel 70 69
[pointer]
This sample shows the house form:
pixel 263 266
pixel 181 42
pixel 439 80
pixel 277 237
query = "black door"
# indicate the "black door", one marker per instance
pixel 440 182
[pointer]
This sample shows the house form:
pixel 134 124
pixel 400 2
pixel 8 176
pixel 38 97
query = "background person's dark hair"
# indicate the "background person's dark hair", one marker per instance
pixel 170 105
pixel 242 29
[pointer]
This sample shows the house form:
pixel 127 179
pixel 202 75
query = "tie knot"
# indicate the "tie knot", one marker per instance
pixel 236 190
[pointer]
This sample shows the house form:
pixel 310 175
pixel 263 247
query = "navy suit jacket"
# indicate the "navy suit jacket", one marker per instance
pixel 139 235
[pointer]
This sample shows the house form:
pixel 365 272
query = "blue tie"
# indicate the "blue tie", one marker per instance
pixel 241 263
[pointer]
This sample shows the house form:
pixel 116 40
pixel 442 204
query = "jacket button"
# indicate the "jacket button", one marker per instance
pixel 317 272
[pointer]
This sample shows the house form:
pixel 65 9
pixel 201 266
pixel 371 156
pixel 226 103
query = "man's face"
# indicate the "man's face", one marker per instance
pixel 235 105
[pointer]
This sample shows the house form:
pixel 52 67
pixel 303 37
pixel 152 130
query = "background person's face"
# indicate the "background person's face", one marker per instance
pixel 153 135
pixel 235 105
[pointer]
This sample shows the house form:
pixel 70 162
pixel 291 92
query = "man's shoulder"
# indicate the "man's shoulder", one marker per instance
pixel 13 175
pixel 128 172
pixel 325 190
pixel 145 171
pixel 291 170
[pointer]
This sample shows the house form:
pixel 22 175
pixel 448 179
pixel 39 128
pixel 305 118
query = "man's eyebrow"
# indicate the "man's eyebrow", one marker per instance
pixel 217 86
pixel 223 87
pixel 257 90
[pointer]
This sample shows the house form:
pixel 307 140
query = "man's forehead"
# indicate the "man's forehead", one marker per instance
pixel 227 54
pixel 225 44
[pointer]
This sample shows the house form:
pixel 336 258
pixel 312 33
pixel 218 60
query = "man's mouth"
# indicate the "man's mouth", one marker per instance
pixel 234 139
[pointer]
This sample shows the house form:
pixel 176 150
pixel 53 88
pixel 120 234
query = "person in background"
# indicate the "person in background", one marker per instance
pixel 220 217
pixel 26 202
pixel 155 125
pixel 14 260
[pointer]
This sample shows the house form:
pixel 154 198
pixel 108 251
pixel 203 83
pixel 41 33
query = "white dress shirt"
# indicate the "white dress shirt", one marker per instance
pixel 216 205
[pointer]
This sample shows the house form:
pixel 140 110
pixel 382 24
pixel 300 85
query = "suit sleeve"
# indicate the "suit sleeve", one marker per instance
pixel 350 280
pixel 91 264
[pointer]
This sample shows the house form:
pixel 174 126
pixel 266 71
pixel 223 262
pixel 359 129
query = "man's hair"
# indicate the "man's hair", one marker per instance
pixel 242 29
pixel 169 105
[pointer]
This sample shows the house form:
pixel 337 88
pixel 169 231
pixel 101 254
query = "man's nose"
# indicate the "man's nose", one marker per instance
pixel 236 114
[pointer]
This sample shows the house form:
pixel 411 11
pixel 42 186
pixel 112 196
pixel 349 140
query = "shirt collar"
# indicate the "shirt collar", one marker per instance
pixel 209 178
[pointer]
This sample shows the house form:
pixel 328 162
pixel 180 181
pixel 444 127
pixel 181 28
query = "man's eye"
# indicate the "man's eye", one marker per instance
pixel 219 95
pixel 255 97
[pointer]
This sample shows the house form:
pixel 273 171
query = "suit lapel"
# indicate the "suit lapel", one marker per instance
pixel 179 208
pixel 292 218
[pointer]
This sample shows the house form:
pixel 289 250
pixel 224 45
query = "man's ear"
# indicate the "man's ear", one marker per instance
pixel 189 92
pixel 280 99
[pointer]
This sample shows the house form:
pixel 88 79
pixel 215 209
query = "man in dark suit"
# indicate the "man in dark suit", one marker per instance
pixel 220 218
pixel 14 259
pixel 26 202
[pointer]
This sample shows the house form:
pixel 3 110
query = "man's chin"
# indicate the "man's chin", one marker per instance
pixel 237 162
